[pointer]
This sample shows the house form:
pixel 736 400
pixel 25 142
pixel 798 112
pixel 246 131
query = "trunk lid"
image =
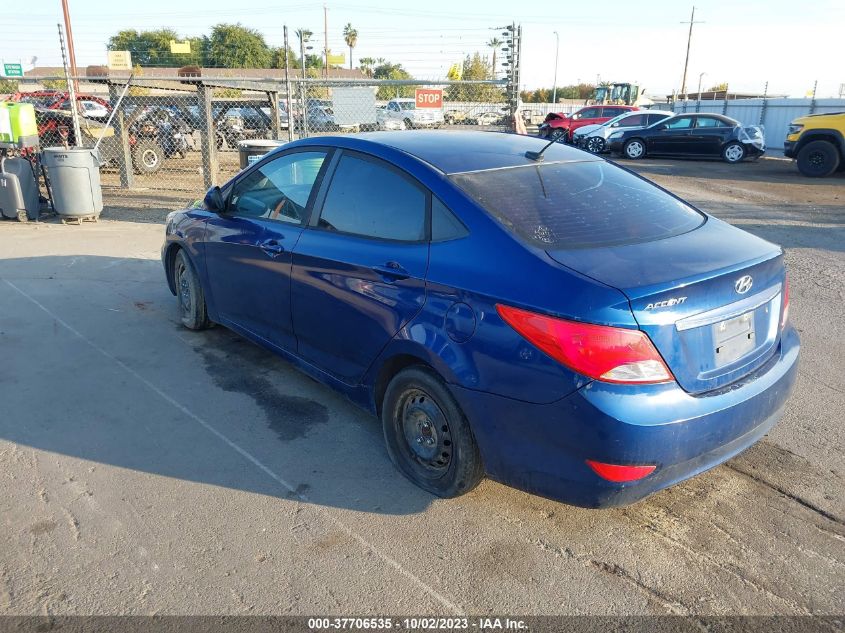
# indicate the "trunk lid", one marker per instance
pixel 692 295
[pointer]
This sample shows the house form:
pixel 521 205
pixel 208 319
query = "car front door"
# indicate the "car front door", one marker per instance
pixel 249 246
pixel 672 137
pixel 359 269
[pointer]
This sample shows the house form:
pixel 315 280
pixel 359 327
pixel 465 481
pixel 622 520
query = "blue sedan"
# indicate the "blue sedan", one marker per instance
pixel 508 308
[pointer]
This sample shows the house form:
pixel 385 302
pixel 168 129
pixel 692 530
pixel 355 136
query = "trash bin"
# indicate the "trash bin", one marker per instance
pixel 254 150
pixel 74 182
pixel 18 190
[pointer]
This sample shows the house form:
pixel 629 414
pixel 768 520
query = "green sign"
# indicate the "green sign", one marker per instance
pixel 13 70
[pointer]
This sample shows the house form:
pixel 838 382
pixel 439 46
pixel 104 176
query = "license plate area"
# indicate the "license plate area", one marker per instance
pixel 733 338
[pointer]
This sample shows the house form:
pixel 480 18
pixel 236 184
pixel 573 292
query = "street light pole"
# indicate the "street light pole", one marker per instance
pixel 698 103
pixel 557 50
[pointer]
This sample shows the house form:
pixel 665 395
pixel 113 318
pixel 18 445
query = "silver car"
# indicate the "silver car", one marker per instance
pixel 593 138
pixel 403 114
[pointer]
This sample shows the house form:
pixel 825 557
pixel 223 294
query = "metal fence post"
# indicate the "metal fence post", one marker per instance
pixel 725 104
pixel 764 105
pixel 208 140
pixel 813 100
pixel 124 155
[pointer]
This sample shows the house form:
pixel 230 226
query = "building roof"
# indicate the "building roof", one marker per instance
pixel 172 72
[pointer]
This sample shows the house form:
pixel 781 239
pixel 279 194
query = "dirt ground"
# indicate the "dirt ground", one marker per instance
pixel 148 469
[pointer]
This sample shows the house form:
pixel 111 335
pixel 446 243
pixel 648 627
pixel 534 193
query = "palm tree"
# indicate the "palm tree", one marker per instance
pixel 351 37
pixel 495 43
pixel 366 64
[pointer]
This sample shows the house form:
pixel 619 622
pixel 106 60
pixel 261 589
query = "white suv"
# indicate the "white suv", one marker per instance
pixel 403 114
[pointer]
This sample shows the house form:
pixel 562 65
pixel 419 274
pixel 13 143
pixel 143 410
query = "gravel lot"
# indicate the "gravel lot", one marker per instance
pixel 148 469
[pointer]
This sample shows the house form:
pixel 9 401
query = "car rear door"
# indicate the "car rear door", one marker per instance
pixel 248 249
pixel 708 136
pixel 359 269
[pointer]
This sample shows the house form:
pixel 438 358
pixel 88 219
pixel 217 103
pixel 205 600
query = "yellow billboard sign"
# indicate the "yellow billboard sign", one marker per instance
pixel 336 60
pixel 120 60
pixel 183 48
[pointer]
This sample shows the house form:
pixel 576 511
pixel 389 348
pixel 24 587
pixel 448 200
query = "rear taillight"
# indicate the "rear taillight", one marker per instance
pixel 618 473
pixel 784 306
pixel 601 352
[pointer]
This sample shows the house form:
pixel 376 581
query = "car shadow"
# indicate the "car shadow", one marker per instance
pixel 98 367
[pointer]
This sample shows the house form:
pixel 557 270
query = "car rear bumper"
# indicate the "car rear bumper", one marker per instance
pixel 543 448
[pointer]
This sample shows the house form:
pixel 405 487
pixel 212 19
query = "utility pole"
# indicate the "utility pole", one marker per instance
pixel 686 61
pixel 70 49
pixel 326 38
pixel 74 111
pixel 557 51
pixel 287 87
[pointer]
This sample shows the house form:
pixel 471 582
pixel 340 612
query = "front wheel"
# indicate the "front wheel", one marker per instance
pixel 427 435
pixel 595 144
pixel 634 149
pixel 147 156
pixel 818 159
pixel 192 309
pixel 733 153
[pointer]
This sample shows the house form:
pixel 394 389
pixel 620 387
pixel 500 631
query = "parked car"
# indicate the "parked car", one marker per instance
pixel 91 106
pixel 408 116
pixel 593 138
pixel 486 118
pixel 692 136
pixel 532 117
pixel 561 126
pixel 237 122
pixel 562 325
pixel 454 116
pixel 817 141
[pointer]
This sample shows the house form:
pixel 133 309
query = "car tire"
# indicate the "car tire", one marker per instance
pixel 189 293
pixel 408 124
pixel 428 437
pixel 634 149
pixel 818 159
pixel 147 156
pixel 733 152
pixel 594 144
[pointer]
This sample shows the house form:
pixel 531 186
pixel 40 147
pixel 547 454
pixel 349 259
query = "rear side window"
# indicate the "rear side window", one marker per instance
pixel 367 197
pixel 444 225
pixel 578 205
pixel 633 121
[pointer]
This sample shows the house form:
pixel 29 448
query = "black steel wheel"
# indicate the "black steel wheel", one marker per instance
pixel 818 159
pixel 427 435
pixel 189 294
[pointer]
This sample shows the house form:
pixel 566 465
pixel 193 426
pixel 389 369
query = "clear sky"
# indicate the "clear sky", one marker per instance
pixel 790 44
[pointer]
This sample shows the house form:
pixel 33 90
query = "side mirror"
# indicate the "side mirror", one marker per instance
pixel 214 200
pixel 615 124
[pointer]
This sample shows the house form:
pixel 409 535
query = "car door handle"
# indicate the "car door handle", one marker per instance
pixel 391 271
pixel 272 247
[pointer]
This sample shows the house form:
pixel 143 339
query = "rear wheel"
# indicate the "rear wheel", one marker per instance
pixel 733 153
pixel 818 159
pixel 427 435
pixel 634 149
pixel 189 293
pixel 408 124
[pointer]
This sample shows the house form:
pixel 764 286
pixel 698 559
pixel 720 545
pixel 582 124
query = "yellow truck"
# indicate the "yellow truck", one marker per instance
pixel 817 142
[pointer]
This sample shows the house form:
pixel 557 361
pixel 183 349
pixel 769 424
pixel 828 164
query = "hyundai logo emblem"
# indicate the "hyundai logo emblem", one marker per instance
pixel 743 284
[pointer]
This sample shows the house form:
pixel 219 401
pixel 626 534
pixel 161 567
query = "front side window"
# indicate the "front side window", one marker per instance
pixel 681 123
pixel 366 197
pixel 589 113
pixel 408 105
pixel 278 190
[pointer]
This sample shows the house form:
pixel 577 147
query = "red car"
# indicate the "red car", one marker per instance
pixel 557 123
pixel 92 107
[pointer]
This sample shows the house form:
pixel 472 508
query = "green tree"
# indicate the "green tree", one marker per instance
pixel 235 46
pixel 367 64
pixel 476 67
pixel 55 84
pixel 718 87
pixel 279 55
pixel 152 48
pixel 388 70
pixel 494 43
pixel 350 35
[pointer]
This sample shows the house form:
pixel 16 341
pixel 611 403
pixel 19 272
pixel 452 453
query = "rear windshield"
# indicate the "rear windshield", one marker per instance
pixel 578 204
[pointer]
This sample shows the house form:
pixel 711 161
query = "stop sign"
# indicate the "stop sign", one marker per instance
pixel 428 98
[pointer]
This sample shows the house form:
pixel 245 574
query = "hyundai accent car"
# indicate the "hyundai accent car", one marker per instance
pixel 507 307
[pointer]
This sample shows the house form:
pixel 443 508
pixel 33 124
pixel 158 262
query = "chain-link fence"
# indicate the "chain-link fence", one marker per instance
pixel 184 134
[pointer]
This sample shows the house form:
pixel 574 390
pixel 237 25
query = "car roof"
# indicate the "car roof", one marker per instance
pixel 454 152
pixel 402 99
